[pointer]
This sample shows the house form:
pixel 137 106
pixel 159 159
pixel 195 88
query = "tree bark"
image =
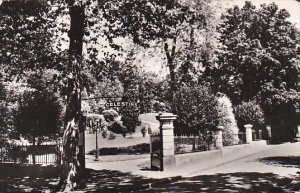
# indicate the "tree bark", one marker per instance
pixel 170 58
pixel 72 165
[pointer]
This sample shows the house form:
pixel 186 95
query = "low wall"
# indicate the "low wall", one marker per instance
pixel 212 157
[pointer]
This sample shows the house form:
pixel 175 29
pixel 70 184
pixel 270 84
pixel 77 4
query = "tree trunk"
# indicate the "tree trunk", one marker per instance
pixel 72 165
pixel 170 58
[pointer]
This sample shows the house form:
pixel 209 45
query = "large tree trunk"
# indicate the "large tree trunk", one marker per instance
pixel 72 165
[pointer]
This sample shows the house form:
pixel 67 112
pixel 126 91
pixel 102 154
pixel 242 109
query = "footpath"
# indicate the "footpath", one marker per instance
pixel 118 174
pixel 140 164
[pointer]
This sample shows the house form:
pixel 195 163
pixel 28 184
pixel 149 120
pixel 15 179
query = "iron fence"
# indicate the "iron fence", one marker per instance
pixel 29 154
pixel 242 138
pixel 189 144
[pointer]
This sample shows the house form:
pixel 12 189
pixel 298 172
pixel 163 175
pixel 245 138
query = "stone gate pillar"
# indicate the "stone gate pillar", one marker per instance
pixel 248 133
pixel 219 137
pixel 167 139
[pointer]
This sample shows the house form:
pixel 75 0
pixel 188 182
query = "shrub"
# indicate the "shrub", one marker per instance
pixel 249 113
pixel 197 110
pixel 130 118
pixel 110 115
pixel 144 131
pixel 228 121
pixel 95 121
pixel 111 136
pixel 104 134
pixel 117 127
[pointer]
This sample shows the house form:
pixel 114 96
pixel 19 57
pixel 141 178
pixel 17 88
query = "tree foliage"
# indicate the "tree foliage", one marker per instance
pixel 177 26
pixel 38 115
pixel 260 47
pixel 197 110
pixel 249 113
pixel 260 61
pixel 26 42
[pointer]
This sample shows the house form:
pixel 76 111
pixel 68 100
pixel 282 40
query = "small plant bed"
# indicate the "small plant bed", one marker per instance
pixel 143 148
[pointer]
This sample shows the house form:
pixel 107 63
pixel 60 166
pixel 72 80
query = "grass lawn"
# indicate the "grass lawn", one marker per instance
pixel 133 144
pixel 130 140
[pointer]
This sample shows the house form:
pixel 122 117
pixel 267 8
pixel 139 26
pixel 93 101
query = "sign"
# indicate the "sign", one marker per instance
pixel 120 104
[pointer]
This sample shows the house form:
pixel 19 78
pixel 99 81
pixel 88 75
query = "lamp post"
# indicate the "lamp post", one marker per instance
pixel 97 149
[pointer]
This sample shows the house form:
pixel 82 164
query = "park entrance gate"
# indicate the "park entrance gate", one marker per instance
pixel 156 151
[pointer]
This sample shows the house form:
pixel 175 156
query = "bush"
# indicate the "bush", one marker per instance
pixel 282 111
pixel 228 121
pixel 111 136
pixel 196 109
pixel 104 134
pixel 110 115
pixel 117 127
pixel 130 118
pixel 95 121
pixel 249 113
pixel 144 131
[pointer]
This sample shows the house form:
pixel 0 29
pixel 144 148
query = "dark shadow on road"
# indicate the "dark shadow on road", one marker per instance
pixel 28 184
pixel 28 178
pixel 112 181
pixel 232 182
pixel 286 161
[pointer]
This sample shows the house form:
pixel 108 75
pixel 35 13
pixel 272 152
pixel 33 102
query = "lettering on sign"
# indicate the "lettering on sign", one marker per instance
pixel 120 104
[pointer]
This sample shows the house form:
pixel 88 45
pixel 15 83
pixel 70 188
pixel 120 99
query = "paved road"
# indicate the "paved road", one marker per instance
pixel 271 171
pixel 258 162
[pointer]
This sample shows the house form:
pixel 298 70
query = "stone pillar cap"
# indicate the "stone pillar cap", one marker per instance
pixel 166 116
pixel 220 127
pixel 248 125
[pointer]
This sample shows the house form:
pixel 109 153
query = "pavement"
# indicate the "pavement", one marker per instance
pixel 260 166
pixel 140 164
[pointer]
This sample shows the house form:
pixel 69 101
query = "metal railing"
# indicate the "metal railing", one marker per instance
pixel 29 154
pixel 189 144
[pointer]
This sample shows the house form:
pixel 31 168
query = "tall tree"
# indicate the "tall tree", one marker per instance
pixel 260 46
pixel 260 59
pixel 38 116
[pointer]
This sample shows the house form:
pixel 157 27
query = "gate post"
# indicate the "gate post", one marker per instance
pixel 167 140
pixel 248 133
pixel 219 137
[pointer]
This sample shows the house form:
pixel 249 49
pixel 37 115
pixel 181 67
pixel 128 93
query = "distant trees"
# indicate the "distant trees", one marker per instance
pixel 176 26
